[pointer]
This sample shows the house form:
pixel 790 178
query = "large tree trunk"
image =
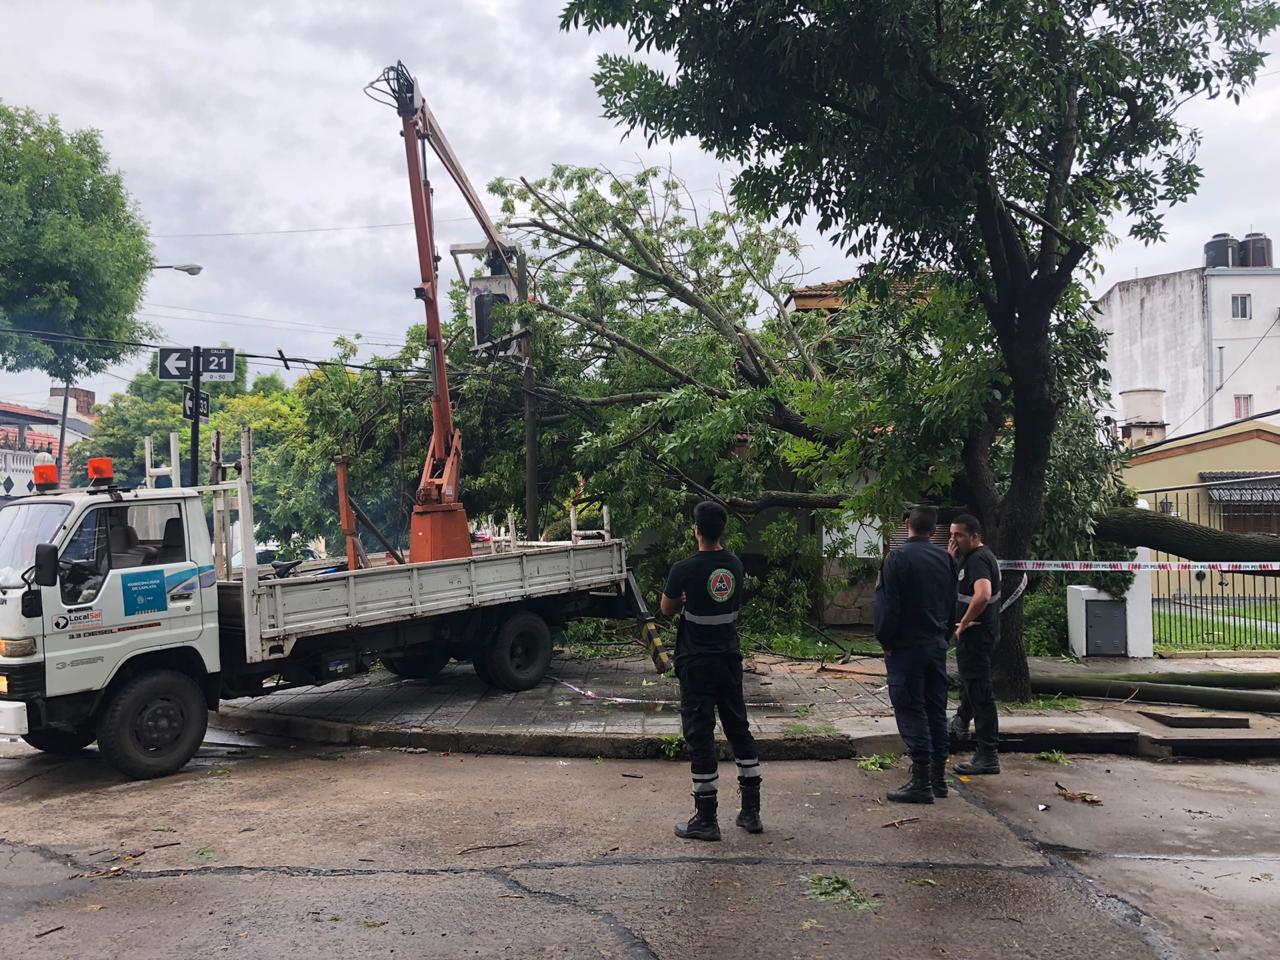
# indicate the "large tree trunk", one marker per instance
pixel 1035 415
pixel 1146 528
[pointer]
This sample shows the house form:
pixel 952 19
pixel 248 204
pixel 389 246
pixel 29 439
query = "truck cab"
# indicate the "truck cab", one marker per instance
pixel 108 623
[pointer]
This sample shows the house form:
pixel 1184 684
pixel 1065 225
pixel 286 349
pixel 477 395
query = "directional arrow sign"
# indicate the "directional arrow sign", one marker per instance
pixel 188 402
pixel 173 363
pixel 217 363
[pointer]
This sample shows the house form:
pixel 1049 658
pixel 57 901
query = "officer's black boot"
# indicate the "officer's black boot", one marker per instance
pixel 749 815
pixel 985 760
pixel 938 777
pixel 702 825
pixel 918 790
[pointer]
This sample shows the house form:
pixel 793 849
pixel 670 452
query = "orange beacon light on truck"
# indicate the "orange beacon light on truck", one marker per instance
pixel 45 476
pixel 100 469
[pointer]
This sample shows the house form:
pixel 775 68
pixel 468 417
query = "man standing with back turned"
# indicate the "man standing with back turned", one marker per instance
pixel 708 586
pixel 914 615
pixel 977 634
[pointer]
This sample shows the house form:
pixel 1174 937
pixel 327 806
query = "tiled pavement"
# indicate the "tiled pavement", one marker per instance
pixel 790 699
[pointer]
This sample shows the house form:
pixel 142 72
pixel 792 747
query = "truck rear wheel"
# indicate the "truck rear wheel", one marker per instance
pixel 419 666
pixel 520 652
pixel 153 724
pixel 63 742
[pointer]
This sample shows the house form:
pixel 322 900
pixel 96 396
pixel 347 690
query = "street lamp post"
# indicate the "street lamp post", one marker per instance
pixel 190 269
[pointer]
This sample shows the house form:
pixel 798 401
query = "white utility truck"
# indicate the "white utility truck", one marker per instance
pixel 123 621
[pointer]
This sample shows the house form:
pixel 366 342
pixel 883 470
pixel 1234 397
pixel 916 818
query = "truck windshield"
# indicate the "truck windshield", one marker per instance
pixel 23 526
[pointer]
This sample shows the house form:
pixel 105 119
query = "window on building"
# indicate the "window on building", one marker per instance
pixel 1244 405
pixel 1241 306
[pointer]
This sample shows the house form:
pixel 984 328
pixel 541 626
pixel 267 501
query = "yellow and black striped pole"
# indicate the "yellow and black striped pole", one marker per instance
pixel 649 632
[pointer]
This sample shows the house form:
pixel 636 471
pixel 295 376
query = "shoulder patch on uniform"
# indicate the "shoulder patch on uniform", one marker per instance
pixel 721 585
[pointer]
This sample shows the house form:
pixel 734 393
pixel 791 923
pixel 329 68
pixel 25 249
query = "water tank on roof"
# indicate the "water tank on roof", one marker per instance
pixel 1142 406
pixel 1222 251
pixel 1255 250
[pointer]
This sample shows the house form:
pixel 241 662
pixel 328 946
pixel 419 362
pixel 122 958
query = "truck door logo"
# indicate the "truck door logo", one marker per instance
pixel 78 619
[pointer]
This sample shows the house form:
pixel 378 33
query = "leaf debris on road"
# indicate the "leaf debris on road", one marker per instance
pixel 830 888
pixel 1078 796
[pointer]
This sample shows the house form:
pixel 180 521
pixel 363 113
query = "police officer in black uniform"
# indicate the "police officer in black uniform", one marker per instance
pixel 706 589
pixel 914 617
pixel 977 634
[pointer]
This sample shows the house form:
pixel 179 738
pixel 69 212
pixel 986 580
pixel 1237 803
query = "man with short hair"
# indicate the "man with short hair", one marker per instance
pixel 706 590
pixel 977 634
pixel 914 616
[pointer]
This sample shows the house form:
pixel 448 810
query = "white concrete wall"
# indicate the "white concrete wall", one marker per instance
pixel 1157 341
pixel 1259 376
pixel 1165 331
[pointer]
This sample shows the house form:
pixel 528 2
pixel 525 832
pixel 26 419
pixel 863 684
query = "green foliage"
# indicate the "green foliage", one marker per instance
pixel 1044 623
pixel 74 253
pixel 1053 756
pixel 891 142
pixel 671 746
pixel 878 762
pixel 988 142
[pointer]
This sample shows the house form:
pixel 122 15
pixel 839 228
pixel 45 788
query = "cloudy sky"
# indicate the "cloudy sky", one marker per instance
pixel 231 120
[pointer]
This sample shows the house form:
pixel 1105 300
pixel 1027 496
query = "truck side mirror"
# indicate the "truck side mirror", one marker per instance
pixel 46 567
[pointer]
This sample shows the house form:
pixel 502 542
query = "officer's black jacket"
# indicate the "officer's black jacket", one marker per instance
pixel 915 595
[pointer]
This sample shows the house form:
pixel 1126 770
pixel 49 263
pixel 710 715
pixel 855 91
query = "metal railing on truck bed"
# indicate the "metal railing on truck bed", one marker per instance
pixel 304 606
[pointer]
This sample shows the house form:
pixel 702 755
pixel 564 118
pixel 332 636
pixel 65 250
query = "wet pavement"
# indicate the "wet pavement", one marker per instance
pixel 618 708
pixel 272 849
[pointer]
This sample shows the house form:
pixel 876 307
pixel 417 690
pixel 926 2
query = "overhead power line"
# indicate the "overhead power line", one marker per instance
pixel 279 358
pixel 276 233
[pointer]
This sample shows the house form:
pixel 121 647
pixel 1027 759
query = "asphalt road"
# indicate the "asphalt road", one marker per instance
pixel 272 851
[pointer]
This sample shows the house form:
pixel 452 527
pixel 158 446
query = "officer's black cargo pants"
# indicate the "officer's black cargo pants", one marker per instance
pixel 711 683
pixel 974 650
pixel 917 676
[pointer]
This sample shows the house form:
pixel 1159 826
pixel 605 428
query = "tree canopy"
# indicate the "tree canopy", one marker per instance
pixel 74 253
pixel 993 141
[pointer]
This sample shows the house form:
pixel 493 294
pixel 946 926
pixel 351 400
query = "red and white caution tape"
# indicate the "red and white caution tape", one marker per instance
pixel 1132 566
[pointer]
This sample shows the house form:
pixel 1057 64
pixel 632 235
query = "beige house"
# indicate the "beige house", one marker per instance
pixel 1225 478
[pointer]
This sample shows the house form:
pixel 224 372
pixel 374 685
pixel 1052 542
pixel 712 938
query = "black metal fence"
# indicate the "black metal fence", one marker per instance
pixel 1209 609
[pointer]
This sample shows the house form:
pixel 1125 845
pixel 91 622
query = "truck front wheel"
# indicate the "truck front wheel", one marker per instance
pixel 153 724
pixel 518 655
pixel 63 742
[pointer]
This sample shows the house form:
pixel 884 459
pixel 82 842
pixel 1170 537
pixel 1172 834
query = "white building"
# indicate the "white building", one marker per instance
pixel 1198 348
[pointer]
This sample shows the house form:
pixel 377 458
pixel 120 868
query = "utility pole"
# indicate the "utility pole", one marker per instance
pixel 531 528
pixel 195 419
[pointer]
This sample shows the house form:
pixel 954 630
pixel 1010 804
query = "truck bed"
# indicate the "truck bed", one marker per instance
pixel 307 605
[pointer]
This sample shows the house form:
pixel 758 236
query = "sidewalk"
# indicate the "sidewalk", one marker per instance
pixel 619 708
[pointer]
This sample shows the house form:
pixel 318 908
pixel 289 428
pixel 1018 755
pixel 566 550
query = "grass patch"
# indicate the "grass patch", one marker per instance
pixel 809 729
pixel 879 761
pixel 1053 756
pixel 1046 704
pixel 832 889
pixel 1245 629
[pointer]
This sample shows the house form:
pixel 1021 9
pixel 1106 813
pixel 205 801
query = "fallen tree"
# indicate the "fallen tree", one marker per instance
pixel 1131 527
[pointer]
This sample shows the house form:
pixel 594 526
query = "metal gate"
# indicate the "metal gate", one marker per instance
pixel 1211 610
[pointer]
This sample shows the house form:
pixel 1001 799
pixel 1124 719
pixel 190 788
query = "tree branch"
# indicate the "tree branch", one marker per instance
pixel 635 348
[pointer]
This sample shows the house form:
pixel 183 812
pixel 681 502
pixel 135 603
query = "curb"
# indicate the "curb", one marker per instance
pixel 621 746
pixel 611 746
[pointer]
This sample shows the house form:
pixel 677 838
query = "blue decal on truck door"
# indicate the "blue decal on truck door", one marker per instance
pixel 144 592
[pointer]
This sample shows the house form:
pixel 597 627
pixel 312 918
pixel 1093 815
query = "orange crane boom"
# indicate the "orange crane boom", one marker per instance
pixel 438 528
